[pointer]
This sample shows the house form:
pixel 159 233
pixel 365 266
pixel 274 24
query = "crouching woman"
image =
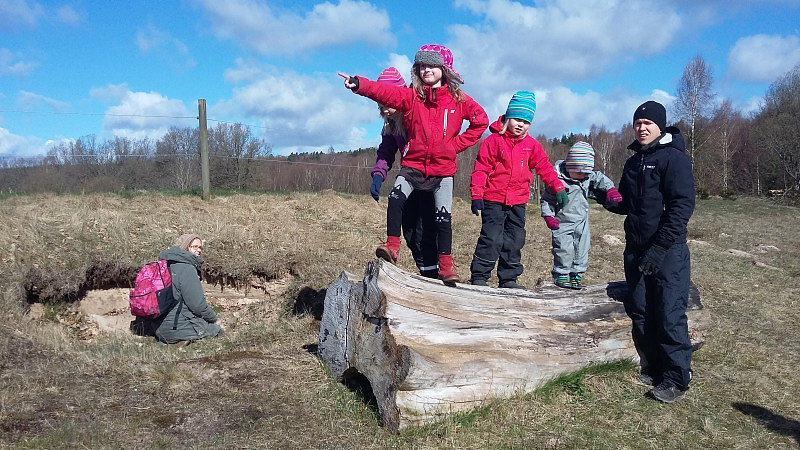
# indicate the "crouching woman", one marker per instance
pixel 192 318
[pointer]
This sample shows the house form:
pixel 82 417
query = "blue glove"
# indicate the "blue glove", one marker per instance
pixel 375 189
pixel 477 206
pixel 652 260
pixel 562 198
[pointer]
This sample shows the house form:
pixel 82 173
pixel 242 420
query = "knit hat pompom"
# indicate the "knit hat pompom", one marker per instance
pixel 653 111
pixel 440 56
pixel 391 76
pixel 580 158
pixel 185 240
pixel 522 106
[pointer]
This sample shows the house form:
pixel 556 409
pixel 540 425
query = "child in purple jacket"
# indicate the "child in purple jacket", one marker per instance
pixel 419 226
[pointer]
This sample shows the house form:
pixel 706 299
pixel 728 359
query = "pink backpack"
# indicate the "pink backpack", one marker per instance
pixel 151 295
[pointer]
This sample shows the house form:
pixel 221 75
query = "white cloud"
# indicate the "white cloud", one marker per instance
pixel 245 70
pixel 152 40
pixel 751 106
pixel 270 31
pixel 144 114
pixel 19 13
pixel 68 15
pixel 12 145
pixel 560 110
pixel 31 101
pixel 111 92
pixel 763 58
pixel 11 64
pixel 310 113
pixel 516 46
pixel 401 63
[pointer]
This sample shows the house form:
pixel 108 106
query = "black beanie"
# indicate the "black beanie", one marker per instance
pixel 654 111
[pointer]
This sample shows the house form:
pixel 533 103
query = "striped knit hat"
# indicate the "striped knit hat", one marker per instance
pixel 391 76
pixel 580 158
pixel 437 55
pixel 522 106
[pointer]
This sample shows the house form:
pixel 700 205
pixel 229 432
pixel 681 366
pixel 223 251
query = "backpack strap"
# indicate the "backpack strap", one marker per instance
pixel 179 306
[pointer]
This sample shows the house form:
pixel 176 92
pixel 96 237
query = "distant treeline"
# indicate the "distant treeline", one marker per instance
pixel 732 153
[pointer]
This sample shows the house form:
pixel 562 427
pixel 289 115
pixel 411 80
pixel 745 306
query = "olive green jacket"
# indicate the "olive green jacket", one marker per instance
pixel 191 318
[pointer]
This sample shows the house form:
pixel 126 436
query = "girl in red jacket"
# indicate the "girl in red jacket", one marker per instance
pixel 434 108
pixel 501 187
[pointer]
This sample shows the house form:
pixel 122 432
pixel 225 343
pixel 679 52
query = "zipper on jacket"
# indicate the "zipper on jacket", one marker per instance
pixel 444 131
pixel 641 175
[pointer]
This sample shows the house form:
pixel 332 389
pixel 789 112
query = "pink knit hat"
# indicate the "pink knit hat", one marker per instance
pixel 391 76
pixel 437 55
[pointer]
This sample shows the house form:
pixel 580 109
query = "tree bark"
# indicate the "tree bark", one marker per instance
pixel 428 349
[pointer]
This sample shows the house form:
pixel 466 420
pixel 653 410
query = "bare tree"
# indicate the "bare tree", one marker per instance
pixel 694 98
pixel 727 123
pixel 777 126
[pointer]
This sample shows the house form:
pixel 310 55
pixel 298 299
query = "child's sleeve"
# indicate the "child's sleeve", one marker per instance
pixel 483 166
pixel 600 181
pixel 385 155
pixel 478 122
pixel 548 203
pixel 396 97
pixel 544 168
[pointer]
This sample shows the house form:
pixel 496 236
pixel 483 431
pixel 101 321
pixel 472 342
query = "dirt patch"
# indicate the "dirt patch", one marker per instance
pixel 106 311
pixel 611 240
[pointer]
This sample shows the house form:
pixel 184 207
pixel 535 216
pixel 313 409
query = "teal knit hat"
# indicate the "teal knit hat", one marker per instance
pixel 580 158
pixel 522 106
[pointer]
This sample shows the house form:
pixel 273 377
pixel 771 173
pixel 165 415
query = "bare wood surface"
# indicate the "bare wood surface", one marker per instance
pixel 428 349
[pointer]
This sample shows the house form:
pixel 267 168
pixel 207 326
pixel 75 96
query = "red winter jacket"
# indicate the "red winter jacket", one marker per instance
pixel 504 168
pixel 432 125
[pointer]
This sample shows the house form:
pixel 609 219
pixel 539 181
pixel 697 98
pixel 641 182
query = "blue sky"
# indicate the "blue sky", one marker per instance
pixel 75 68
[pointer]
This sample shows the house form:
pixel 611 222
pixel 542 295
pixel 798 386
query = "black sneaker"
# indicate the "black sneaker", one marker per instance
pixel 646 379
pixel 666 393
pixel 510 284
pixel 478 282
pixel 576 281
pixel 562 281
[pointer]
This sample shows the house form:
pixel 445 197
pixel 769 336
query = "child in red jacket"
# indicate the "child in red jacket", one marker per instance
pixel 434 108
pixel 501 187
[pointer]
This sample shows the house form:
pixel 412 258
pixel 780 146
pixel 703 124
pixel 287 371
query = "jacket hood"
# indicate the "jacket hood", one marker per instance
pixel 497 125
pixel 671 137
pixel 432 94
pixel 177 254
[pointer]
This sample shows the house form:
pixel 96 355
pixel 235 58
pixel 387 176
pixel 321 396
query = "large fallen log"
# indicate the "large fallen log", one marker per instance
pixel 428 349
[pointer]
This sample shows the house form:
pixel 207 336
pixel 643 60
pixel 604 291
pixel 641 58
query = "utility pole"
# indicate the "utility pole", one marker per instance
pixel 201 109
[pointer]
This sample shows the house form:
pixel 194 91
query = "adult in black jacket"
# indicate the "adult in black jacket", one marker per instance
pixel 658 189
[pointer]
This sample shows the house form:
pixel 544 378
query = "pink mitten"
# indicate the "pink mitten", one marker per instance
pixel 552 222
pixel 613 196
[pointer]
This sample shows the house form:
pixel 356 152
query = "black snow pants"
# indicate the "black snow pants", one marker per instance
pixel 657 307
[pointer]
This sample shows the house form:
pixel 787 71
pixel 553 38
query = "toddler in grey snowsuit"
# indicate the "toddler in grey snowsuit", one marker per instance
pixel 570 223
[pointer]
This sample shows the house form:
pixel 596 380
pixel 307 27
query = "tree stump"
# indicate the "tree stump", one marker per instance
pixel 428 349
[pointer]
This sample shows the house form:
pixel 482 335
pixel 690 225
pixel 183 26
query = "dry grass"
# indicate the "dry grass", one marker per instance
pixel 259 386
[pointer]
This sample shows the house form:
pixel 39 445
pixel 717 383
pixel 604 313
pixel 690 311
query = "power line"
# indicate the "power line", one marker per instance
pixel 144 116
pixel 111 158
pixel 67 113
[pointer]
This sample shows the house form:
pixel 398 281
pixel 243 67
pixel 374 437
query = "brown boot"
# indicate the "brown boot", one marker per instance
pixel 447 269
pixel 390 250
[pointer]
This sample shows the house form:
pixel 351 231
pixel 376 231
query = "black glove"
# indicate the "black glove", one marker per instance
pixel 375 189
pixel 477 206
pixel 354 80
pixel 652 260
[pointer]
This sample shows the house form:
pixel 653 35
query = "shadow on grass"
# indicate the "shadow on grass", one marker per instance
pixel 310 301
pixel 359 384
pixel 771 420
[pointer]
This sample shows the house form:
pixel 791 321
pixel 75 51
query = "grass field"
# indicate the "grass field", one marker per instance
pixel 259 386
